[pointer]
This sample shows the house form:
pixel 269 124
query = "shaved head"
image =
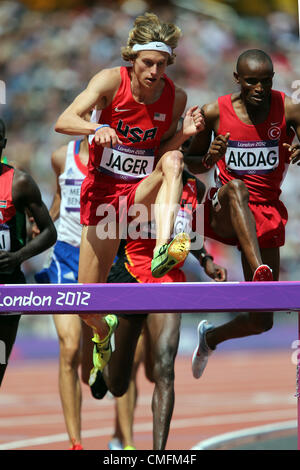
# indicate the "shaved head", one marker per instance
pixel 254 57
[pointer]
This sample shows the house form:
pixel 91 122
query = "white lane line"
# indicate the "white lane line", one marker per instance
pixel 32 420
pixel 175 424
pixel 242 436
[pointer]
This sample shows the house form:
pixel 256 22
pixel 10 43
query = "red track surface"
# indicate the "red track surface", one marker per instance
pixel 237 391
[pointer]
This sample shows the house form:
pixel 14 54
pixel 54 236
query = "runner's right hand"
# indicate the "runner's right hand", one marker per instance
pixel 107 137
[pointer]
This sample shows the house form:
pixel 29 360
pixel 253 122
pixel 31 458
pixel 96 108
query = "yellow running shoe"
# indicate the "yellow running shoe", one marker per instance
pixel 101 356
pixel 170 254
pixel 129 448
pixel 102 348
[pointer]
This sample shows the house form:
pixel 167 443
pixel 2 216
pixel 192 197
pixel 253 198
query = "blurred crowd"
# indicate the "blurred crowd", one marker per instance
pixel 47 58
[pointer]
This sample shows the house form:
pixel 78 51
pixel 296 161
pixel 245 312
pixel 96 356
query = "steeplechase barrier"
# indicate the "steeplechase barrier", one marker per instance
pixel 197 297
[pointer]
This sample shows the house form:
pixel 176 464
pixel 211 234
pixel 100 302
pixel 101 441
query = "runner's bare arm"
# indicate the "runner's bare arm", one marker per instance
pixel 192 123
pixel 99 93
pixel 27 197
pixel 201 141
pixel 58 161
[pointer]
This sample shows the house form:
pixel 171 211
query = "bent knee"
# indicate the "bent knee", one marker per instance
pixel 172 161
pixel 238 190
pixel 262 324
pixel 69 355
pixel 164 369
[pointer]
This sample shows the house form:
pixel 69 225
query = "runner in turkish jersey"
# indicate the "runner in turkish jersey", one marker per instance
pixel 255 154
pixel 253 129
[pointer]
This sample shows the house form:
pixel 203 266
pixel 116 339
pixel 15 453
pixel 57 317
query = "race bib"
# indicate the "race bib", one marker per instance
pixel 71 194
pixel 127 163
pixel 252 157
pixel 183 223
pixel 5 243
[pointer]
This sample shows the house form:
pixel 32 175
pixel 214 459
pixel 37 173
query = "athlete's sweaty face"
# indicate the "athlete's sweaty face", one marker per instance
pixel 149 67
pixel 255 79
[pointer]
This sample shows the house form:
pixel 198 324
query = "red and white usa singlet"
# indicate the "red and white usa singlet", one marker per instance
pixel 255 154
pixel 139 252
pixel 113 172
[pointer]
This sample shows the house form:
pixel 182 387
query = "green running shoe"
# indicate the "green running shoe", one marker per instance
pixel 170 254
pixel 102 348
pixel 101 356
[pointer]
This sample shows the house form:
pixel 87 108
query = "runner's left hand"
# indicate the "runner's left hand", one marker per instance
pixel 295 153
pixel 9 261
pixel 215 272
pixel 193 121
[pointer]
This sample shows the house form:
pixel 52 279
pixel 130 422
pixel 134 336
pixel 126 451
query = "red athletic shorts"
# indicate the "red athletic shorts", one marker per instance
pixel 138 256
pixel 102 196
pixel 270 217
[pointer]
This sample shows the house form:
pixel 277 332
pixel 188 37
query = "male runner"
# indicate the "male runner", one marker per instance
pixel 254 130
pixel 69 163
pixel 160 331
pixel 18 194
pixel 132 161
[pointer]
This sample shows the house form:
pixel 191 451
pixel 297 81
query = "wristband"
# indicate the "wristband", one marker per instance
pixel 100 127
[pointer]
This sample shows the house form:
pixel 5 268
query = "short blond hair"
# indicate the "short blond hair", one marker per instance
pixel 148 28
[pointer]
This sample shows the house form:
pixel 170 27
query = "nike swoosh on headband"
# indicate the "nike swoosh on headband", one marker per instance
pixel 152 46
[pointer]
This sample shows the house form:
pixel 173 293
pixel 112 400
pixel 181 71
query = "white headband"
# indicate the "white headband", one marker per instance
pixel 153 46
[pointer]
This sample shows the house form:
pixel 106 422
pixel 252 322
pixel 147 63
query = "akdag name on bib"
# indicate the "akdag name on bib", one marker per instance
pixel 127 163
pixel 252 156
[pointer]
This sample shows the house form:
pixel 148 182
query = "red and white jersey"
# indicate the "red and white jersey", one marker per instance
pixel 70 181
pixel 255 153
pixel 140 127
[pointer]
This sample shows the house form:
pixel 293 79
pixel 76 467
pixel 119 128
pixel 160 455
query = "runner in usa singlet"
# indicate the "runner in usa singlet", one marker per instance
pixel 140 128
pixel 114 172
pixel 134 141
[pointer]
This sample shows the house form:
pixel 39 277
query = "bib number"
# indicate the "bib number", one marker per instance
pixel 127 163
pixel 5 243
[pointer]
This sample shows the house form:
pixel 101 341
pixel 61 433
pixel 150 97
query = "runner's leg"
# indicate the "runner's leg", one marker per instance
pixel 163 331
pixel 68 329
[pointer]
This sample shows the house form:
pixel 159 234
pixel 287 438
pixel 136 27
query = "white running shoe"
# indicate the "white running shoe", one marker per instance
pixel 202 351
pixel 115 444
